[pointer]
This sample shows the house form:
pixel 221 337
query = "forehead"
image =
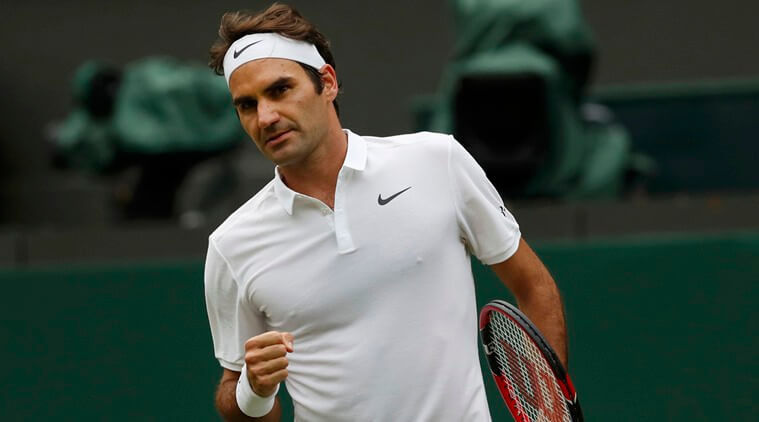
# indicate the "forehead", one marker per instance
pixel 259 74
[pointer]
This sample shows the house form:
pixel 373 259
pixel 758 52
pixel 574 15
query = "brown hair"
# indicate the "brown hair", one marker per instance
pixel 279 18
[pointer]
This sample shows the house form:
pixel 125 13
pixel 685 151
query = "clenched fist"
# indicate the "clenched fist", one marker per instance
pixel 266 360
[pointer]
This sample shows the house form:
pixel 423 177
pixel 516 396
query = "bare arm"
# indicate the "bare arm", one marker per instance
pixel 226 403
pixel 536 294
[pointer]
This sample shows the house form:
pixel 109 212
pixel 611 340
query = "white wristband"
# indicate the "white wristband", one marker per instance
pixel 251 403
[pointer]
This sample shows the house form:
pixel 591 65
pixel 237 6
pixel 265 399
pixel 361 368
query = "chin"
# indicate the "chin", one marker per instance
pixel 283 160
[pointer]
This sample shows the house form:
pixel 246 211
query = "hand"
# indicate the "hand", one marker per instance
pixel 266 361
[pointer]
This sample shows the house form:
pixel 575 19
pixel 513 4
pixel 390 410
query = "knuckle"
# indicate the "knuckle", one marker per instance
pixel 260 340
pixel 251 343
pixel 273 379
pixel 258 372
pixel 251 357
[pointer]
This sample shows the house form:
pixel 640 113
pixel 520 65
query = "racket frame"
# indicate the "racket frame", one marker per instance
pixel 503 384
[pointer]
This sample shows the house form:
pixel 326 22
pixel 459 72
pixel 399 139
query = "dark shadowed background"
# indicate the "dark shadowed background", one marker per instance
pixel 387 53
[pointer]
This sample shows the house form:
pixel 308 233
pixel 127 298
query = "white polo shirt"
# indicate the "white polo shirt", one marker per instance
pixel 378 293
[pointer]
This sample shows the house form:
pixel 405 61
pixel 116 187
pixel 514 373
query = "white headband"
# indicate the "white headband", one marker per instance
pixel 269 45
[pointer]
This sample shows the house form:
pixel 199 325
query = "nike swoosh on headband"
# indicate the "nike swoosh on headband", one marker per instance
pixel 237 53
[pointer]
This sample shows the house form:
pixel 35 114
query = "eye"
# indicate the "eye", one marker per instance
pixel 280 90
pixel 246 105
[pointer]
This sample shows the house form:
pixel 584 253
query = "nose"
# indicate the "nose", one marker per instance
pixel 267 114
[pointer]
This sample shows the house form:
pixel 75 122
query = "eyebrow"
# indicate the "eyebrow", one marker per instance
pixel 239 100
pixel 284 80
pixel 268 90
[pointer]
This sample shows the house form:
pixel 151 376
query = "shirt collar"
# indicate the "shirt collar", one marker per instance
pixel 355 158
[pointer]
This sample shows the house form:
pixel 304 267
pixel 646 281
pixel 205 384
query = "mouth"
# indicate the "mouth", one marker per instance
pixel 277 137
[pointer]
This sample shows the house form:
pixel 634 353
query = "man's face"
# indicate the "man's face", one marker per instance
pixel 280 110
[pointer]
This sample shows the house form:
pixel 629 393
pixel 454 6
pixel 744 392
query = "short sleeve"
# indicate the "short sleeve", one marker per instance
pixel 232 319
pixel 489 229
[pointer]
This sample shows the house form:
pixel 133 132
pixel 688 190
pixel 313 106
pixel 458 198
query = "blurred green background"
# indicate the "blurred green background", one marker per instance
pixel 661 328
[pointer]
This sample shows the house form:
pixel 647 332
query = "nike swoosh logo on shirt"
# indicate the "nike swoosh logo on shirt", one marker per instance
pixel 390 198
pixel 237 53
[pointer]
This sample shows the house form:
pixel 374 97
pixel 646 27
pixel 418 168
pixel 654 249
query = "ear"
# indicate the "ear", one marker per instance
pixel 329 79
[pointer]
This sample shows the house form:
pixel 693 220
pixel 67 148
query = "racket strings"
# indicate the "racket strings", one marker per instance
pixel 533 382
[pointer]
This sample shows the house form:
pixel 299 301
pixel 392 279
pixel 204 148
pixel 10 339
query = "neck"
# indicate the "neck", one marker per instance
pixel 317 178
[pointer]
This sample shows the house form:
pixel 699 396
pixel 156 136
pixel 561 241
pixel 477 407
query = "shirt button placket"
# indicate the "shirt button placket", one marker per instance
pixel 344 238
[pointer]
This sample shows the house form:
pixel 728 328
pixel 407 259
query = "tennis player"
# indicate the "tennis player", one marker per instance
pixel 348 276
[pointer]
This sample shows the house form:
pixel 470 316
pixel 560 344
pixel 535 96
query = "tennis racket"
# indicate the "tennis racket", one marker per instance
pixel 529 375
